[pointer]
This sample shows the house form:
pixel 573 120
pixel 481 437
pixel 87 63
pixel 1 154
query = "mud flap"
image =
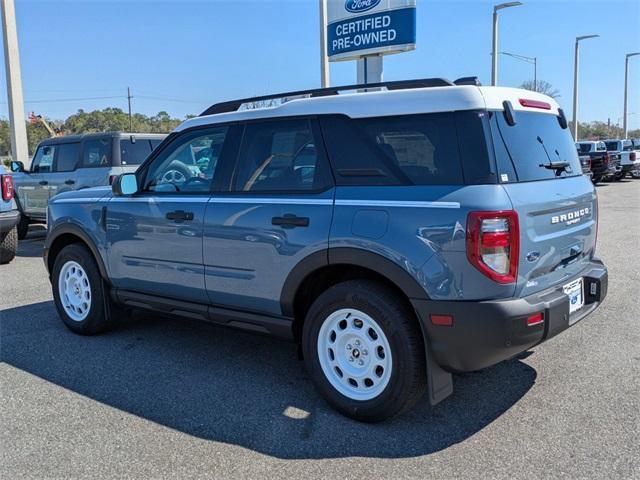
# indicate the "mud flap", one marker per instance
pixel 439 381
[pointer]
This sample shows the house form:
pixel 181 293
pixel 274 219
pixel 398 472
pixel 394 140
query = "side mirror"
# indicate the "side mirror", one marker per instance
pixel 125 184
pixel 17 167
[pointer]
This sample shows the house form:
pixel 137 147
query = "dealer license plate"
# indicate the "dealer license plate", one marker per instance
pixel 574 291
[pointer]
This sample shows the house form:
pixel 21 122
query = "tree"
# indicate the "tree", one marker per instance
pixel 541 86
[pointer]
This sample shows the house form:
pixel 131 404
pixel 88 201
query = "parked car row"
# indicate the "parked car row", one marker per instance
pixel 611 159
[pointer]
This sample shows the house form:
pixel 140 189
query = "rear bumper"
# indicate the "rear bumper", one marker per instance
pixel 8 220
pixel 487 332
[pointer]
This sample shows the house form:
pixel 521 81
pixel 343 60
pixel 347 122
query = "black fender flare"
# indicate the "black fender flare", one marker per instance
pixel 347 256
pixel 73 229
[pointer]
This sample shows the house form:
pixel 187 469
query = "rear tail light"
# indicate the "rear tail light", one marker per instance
pixel 605 159
pixel 535 319
pixel 525 102
pixel 493 244
pixel 632 156
pixel 112 178
pixel 595 242
pixel 7 187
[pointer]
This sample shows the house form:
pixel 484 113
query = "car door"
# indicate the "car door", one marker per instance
pixel 33 187
pixel 96 161
pixel 64 178
pixel 277 211
pixel 155 236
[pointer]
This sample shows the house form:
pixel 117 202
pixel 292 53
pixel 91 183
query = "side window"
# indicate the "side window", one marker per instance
pixel 279 156
pixel 96 153
pixel 188 164
pixel 43 159
pixel 67 157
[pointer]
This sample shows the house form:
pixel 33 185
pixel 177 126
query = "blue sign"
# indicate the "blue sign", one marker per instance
pixel 382 32
pixel 359 6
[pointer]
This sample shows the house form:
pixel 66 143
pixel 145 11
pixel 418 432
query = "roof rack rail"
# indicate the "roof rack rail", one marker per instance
pixel 233 105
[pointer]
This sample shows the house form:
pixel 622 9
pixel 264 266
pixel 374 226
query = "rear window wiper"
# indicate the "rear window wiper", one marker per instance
pixel 559 167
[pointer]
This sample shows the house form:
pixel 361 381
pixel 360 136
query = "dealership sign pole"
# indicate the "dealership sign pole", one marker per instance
pixel 366 30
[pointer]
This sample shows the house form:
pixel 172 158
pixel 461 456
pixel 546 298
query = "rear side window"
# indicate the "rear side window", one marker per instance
pixel 67 157
pixel 96 153
pixel 612 146
pixel 406 150
pixel 134 152
pixel 280 156
pixel 534 141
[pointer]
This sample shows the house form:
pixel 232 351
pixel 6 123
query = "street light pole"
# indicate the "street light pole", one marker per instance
pixel 626 88
pixel 575 83
pixel 324 62
pixel 494 51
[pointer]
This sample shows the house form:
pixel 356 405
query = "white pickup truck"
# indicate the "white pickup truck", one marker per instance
pixel 629 159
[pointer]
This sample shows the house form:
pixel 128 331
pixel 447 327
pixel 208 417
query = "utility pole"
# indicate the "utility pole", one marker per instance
pixel 576 63
pixel 531 60
pixel 129 101
pixel 19 146
pixel 626 91
pixel 324 60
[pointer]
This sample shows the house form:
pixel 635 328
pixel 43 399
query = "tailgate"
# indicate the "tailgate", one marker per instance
pixel 557 230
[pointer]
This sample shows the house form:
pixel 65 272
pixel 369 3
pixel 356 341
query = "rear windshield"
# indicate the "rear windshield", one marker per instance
pixel 584 147
pixel 612 146
pixel 536 141
pixel 135 152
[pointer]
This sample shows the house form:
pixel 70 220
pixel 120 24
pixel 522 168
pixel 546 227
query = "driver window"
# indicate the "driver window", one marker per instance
pixel 189 164
pixel 277 156
pixel 43 159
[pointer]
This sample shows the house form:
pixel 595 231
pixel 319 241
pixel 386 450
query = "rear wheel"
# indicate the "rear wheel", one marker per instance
pixel 78 291
pixel 8 245
pixel 364 352
pixel 596 179
pixel 618 176
pixel 23 227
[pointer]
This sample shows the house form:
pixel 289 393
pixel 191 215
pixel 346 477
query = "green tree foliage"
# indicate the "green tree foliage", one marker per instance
pixel 106 120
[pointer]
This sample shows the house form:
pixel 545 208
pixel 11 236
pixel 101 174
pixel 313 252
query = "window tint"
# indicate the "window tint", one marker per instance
pixel 97 153
pixel 155 143
pixel 67 157
pixel 533 142
pixel 43 159
pixel 189 163
pixel 612 146
pixel 584 147
pixel 409 149
pixel 279 156
pixel 134 153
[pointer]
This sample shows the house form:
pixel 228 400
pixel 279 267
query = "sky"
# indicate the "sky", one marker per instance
pixel 182 56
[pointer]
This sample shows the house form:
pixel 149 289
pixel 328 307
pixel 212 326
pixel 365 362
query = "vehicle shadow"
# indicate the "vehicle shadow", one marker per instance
pixel 232 387
pixel 32 245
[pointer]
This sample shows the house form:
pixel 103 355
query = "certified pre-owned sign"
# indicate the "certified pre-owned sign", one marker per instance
pixel 368 27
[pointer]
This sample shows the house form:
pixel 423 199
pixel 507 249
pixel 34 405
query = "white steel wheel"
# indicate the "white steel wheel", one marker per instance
pixel 75 291
pixel 354 354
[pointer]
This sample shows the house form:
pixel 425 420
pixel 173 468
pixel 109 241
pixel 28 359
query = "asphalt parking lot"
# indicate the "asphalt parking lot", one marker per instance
pixel 162 398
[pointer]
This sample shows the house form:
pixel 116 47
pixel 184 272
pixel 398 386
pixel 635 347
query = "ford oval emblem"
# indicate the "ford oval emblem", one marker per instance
pixel 533 256
pixel 357 6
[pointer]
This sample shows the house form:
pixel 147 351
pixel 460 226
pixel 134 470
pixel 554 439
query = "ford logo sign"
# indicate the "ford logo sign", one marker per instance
pixel 357 6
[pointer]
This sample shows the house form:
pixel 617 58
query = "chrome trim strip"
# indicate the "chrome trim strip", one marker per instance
pixel 272 201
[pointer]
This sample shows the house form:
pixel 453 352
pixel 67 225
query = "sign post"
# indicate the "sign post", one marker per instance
pixel 366 30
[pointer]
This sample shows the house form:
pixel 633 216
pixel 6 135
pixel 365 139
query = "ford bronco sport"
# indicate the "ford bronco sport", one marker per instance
pixel 398 235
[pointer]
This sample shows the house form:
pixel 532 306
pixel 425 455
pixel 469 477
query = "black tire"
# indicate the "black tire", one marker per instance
pixel 597 179
pixel 407 381
pixel 98 319
pixel 618 176
pixel 23 227
pixel 8 245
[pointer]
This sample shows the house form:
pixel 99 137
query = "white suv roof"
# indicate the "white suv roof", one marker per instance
pixel 390 102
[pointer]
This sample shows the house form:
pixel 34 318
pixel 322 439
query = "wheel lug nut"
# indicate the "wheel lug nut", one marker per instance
pixel 365 352
pixel 351 359
pixel 349 347
pixel 361 362
pixel 357 342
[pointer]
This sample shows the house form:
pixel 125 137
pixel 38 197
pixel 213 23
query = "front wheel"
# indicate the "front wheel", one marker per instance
pixel 78 291
pixel 364 351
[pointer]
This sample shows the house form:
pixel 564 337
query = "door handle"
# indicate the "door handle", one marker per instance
pixel 289 221
pixel 70 182
pixel 179 215
pixel 44 182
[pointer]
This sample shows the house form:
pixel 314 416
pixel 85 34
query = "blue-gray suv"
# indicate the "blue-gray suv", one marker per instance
pixel 397 235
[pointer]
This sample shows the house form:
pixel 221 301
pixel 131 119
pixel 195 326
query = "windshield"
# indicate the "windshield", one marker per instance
pixel 535 148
